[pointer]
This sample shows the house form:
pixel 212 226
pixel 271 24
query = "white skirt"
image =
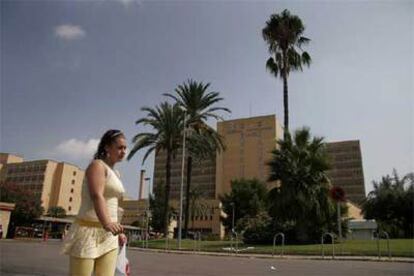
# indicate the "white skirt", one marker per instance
pixel 88 242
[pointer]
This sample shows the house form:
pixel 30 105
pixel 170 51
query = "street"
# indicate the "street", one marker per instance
pixel 38 258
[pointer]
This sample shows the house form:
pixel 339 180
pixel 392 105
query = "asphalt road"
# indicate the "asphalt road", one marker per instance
pixel 20 258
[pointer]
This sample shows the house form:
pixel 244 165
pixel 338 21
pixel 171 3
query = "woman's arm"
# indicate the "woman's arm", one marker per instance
pixel 96 175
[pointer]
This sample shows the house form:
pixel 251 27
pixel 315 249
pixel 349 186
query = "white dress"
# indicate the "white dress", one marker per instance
pixel 84 241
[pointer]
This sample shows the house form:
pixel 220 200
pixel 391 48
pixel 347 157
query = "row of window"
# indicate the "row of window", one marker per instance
pixel 22 169
pixel 31 178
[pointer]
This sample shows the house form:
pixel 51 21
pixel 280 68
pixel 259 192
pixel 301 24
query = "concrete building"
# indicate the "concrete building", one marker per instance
pixel 249 143
pixel 5 212
pixel 347 171
pixel 54 183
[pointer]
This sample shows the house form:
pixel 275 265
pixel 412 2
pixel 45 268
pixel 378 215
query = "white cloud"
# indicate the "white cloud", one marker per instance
pixel 69 32
pixel 75 149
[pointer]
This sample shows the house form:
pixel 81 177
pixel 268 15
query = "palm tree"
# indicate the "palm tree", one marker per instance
pixel 283 34
pixel 300 164
pixel 167 122
pixel 204 141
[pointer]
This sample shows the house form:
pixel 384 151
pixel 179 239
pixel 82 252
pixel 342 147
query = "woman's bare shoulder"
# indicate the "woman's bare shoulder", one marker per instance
pixel 96 166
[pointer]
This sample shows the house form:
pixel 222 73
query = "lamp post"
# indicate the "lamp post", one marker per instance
pixel 180 218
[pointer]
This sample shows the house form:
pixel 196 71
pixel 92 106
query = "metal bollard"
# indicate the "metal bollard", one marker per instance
pixel 274 242
pixel 385 234
pixel 322 245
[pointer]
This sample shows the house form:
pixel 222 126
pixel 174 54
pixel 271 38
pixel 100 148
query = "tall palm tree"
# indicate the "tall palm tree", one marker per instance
pixel 283 34
pixel 204 141
pixel 167 123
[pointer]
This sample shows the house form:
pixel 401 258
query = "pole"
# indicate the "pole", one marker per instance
pixel 338 207
pixel 232 218
pixel 180 219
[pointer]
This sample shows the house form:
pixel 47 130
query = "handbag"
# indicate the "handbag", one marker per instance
pixel 122 263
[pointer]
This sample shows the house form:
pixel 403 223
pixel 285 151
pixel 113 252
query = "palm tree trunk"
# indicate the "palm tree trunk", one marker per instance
pixel 167 193
pixel 285 98
pixel 187 194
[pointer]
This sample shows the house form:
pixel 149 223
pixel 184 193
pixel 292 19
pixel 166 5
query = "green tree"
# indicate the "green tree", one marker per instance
pixel 166 121
pixel 203 141
pixel 391 204
pixel 284 35
pixel 28 204
pixel 157 208
pixel 301 200
pixel 56 212
pixel 248 197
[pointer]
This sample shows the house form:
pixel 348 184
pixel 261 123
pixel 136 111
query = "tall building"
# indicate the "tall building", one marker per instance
pixel 249 143
pixel 347 171
pixel 54 183
pixel 203 177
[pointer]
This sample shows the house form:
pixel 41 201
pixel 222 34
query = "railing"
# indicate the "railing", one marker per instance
pixel 234 234
pixel 197 242
pixel 274 243
pixel 385 234
pixel 322 245
pixel 167 241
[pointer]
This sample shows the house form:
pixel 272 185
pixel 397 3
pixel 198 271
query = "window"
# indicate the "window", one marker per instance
pixel 73 181
pixel 71 190
pixel 70 199
pixel 69 208
pixel 74 173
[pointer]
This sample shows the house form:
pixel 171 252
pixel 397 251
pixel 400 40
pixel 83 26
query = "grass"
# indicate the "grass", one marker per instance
pixel 398 247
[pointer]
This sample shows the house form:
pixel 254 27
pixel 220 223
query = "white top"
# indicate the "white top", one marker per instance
pixel 112 193
pixel 92 242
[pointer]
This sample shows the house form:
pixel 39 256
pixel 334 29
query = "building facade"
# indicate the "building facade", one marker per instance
pixel 249 143
pixel 347 172
pixel 54 183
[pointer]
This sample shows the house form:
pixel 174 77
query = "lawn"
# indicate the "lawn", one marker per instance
pixel 398 247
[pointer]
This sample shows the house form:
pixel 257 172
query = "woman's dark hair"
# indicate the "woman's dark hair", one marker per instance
pixel 107 139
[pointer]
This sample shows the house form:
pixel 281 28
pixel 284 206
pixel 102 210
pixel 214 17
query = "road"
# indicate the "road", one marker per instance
pixel 20 258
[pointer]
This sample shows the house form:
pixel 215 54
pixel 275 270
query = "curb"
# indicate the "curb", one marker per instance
pixel 285 257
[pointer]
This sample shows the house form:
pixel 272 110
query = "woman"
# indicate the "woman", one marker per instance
pixel 93 239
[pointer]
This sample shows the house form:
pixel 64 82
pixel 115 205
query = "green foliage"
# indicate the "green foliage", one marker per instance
pixel 167 123
pixel 301 200
pixel 258 229
pixel 249 199
pixel 56 212
pixel 391 204
pixel 157 208
pixel 28 205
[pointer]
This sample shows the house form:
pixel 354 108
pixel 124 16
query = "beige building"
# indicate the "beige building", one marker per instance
pixel 55 183
pixel 347 171
pixel 249 143
pixel 134 210
pixel 203 177
pixel 5 212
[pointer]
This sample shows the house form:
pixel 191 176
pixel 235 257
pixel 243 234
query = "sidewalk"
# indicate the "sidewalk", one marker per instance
pixel 278 257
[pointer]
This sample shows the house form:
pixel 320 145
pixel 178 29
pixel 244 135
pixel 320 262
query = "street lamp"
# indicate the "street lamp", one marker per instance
pixel 180 218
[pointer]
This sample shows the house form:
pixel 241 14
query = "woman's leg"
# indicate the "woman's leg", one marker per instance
pixel 81 266
pixel 106 264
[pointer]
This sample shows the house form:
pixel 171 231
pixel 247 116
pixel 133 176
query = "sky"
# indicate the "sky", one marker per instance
pixel 70 70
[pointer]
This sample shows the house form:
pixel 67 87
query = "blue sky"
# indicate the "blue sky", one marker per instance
pixel 72 69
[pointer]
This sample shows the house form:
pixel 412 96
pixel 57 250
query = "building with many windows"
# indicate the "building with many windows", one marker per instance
pixel 347 172
pixel 54 183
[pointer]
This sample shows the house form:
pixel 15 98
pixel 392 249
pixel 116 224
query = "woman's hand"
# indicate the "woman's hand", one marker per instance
pixel 122 239
pixel 114 228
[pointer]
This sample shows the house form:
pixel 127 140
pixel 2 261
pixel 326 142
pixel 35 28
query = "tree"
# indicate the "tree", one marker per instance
pixel 203 141
pixel 28 205
pixel 167 122
pixel 248 197
pixel 56 212
pixel 301 200
pixel 283 34
pixel 391 204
